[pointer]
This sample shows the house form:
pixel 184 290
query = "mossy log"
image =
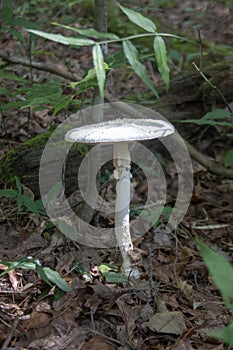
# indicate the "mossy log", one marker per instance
pixel 24 162
pixel 188 97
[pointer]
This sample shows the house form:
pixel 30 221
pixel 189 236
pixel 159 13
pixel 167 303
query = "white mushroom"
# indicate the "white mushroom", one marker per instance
pixel 120 132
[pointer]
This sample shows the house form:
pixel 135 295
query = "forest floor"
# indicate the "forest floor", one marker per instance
pixel 175 304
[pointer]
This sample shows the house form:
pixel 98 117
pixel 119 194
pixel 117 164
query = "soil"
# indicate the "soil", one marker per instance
pixel 175 304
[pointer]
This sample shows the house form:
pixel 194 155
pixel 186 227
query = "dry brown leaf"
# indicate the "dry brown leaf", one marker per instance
pixel 43 307
pixel 129 314
pixel 97 344
pixel 12 276
pixel 219 347
pixel 186 288
pixel 37 320
pixel 183 344
pixel 11 311
pixel 93 303
pixel 171 322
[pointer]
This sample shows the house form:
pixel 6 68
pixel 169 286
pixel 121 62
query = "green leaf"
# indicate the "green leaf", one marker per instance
pixel 92 33
pixel 19 201
pixel 131 54
pixel 90 77
pixel 67 229
pixel 11 266
pixel 137 18
pixel 210 118
pixel 161 59
pixel 217 113
pixel 50 92
pixel 206 122
pixel 63 102
pixel 18 184
pixel 23 263
pixel 104 267
pixel 220 270
pixel 55 278
pixel 22 22
pixel 61 39
pixel 12 76
pixel 98 61
pixel 225 334
pixel 228 160
pixel 9 193
pixel 55 191
pixel 40 207
pixel 91 74
pixel 50 88
pixel 115 277
pixel 30 204
pixel 40 271
pixel 7 10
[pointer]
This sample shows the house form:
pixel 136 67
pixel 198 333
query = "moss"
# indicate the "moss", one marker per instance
pixel 24 161
pixel 7 174
pixel 10 162
pixel 39 139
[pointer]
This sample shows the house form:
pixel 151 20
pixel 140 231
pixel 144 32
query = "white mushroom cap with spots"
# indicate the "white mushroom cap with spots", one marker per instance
pixel 120 130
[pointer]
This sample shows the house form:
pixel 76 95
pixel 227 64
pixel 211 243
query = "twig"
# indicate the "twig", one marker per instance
pixel 210 165
pixel 214 87
pixel 111 340
pixel 10 334
pixel 153 291
pixel 201 48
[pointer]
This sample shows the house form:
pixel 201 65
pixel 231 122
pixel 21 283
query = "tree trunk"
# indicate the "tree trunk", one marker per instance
pixel 86 212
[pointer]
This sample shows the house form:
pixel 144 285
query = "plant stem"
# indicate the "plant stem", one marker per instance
pixel 214 87
pixel 136 36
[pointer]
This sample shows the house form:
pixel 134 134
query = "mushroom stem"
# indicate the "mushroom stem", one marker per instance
pixel 122 175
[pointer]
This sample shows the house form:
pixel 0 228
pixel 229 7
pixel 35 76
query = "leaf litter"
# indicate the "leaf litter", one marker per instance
pixel 174 305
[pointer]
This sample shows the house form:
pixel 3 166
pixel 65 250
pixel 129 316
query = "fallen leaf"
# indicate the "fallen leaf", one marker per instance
pixel 183 344
pixel 11 311
pixel 43 307
pixel 186 288
pixel 37 320
pixel 171 322
pixel 129 313
pixel 12 276
pixel 219 347
pixel 97 344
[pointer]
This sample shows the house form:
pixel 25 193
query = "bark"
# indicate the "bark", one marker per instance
pixel 101 20
pixel 8 59
pixel 0 14
pixel 86 212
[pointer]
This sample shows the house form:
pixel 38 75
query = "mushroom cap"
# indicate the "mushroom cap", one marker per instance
pixel 120 130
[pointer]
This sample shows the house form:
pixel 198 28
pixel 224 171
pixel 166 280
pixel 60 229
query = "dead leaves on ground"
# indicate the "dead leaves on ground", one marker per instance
pixel 168 312
pixel 174 305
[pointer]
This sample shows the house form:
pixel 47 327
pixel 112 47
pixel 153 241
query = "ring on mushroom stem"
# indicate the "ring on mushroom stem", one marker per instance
pixel 120 132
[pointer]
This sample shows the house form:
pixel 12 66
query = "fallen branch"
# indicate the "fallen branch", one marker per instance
pixel 210 165
pixel 37 65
